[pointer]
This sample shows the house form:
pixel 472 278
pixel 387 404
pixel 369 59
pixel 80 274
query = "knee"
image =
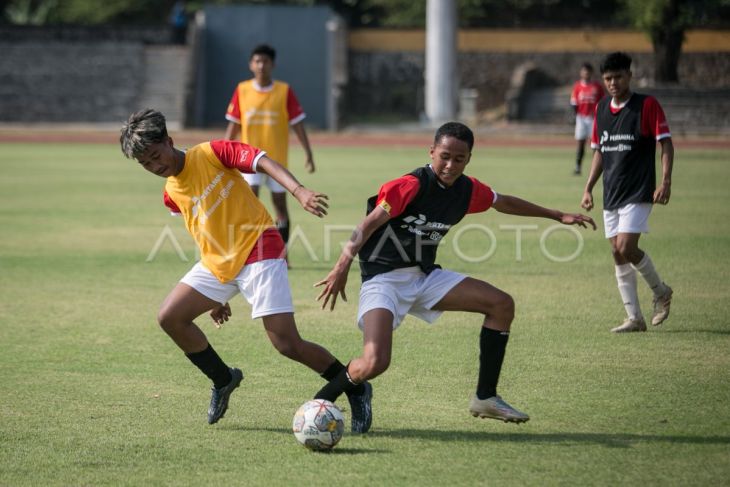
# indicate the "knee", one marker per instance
pixel 289 348
pixel 504 308
pixel 166 319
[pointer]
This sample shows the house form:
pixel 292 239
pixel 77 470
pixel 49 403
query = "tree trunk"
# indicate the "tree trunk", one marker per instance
pixel 667 39
pixel 667 50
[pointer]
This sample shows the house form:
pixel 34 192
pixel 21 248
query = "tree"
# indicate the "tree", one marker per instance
pixel 665 22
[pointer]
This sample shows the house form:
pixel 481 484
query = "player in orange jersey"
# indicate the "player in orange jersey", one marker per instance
pixel 240 249
pixel 261 111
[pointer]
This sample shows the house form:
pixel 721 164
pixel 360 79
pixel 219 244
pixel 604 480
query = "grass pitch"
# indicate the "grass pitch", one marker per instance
pixel 93 393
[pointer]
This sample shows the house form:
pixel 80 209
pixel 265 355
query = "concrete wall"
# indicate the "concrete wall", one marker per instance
pixel 69 81
pixel 386 67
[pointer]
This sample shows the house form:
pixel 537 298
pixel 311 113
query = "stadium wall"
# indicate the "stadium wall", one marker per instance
pixel 488 59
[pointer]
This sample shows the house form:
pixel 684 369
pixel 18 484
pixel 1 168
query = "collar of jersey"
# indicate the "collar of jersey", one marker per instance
pixel 262 89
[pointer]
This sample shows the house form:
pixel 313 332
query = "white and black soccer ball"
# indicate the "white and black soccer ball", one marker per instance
pixel 318 425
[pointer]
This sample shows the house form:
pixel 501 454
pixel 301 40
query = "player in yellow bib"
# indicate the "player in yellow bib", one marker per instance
pixel 260 112
pixel 240 249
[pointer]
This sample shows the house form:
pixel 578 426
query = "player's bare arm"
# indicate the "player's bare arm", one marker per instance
pixel 336 281
pixel 312 201
pixel 304 141
pixel 596 171
pixel 664 191
pixel 512 205
pixel 233 130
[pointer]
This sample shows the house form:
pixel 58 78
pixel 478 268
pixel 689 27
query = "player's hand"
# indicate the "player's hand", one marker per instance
pixel 309 165
pixel 577 219
pixel 662 194
pixel 315 203
pixel 587 201
pixel 334 285
pixel 220 314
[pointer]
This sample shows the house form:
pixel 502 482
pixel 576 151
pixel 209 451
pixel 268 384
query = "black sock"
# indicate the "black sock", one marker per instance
pixel 339 384
pixel 211 365
pixel 283 227
pixel 332 370
pixel 492 345
pixel 579 157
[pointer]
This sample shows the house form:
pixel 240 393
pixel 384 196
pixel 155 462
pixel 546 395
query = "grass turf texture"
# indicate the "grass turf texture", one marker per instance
pixel 93 393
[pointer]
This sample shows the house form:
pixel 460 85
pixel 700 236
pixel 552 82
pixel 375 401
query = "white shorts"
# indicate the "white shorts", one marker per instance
pixel 407 291
pixel 264 284
pixel 632 218
pixel 259 179
pixel 583 127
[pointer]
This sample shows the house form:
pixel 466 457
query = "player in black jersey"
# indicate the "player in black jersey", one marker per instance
pixel 626 129
pixel 397 244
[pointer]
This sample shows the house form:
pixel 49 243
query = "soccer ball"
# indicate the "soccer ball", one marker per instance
pixel 318 425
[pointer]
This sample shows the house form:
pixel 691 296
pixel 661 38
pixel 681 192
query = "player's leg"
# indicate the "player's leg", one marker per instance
pixel 497 307
pixel 254 181
pixel 579 152
pixel 176 315
pixel 633 222
pixel 377 327
pixel 265 285
pixel 284 336
pixel 278 200
pixel 581 134
pixel 383 304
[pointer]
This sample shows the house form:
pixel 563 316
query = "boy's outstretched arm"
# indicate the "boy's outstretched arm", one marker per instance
pixel 335 282
pixel 512 205
pixel 315 203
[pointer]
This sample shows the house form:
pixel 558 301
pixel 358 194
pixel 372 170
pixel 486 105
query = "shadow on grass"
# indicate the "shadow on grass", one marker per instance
pixel 611 440
pixel 697 330
pixel 339 450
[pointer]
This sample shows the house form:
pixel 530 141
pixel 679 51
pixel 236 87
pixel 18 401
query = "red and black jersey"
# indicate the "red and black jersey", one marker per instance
pixel 626 138
pixel 422 212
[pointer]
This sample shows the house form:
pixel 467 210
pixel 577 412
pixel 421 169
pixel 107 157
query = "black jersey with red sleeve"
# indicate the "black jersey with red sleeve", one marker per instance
pixel 626 138
pixel 422 212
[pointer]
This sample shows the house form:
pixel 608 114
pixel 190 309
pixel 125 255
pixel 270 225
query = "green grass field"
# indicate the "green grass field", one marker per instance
pixel 92 392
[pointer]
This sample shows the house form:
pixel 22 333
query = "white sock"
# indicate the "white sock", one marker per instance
pixel 626 278
pixel 647 271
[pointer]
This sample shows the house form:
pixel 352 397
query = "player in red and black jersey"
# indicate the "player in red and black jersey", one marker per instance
pixel 586 94
pixel 397 244
pixel 626 129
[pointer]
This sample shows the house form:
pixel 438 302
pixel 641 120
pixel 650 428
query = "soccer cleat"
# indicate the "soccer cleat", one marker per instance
pixel 661 307
pixel 361 409
pixel 219 397
pixel 496 408
pixel 630 325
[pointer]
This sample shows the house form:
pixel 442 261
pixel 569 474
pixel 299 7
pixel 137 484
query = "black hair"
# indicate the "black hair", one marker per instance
pixel 616 61
pixel 265 50
pixel 142 129
pixel 587 66
pixel 457 130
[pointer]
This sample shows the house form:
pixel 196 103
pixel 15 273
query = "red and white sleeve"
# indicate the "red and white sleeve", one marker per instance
pixel 395 195
pixel 653 120
pixel 482 197
pixel 237 155
pixel 171 205
pixel 233 113
pixel 293 108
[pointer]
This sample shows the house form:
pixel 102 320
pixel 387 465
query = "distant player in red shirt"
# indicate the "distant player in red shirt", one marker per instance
pixel 585 96
pixel 627 128
pixel 396 243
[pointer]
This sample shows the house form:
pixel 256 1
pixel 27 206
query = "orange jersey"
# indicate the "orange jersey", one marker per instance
pixel 265 115
pixel 221 212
